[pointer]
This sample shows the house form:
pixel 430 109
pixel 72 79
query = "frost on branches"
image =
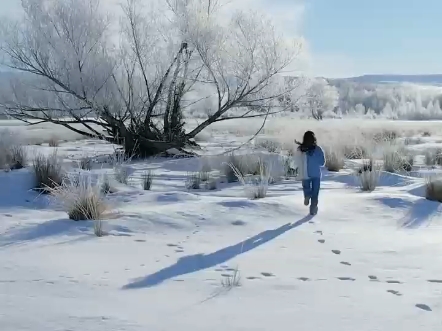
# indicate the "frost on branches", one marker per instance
pixel 131 82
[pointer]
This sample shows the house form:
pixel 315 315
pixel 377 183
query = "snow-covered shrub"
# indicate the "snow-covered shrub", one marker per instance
pixel 16 157
pixel 353 152
pixel 385 136
pixel 211 183
pixel 396 161
pixel 12 154
pixel 85 163
pixel 105 184
pixel 53 142
pixel 204 176
pixel 147 179
pixel 205 164
pixel 369 175
pixel 81 198
pixel 334 159
pixel 271 146
pixel 48 171
pixel 433 188
pixel 255 185
pixel 289 168
pixel 193 181
pixel 413 141
pixel 239 163
pixel 433 157
pixel 121 173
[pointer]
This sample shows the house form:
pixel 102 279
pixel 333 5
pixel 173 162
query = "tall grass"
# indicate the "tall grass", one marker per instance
pixel 193 181
pixel 53 142
pixel 12 154
pixel 81 198
pixel 334 159
pixel 146 180
pixel 433 157
pixel 121 174
pixel 256 185
pixel 395 161
pixel 369 175
pixel 85 163
pixel 48 171
pixel 236 162
pixel 231 281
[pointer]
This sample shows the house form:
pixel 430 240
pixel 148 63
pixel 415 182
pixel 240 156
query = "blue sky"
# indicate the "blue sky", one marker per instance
pixel 352 37
pixel 355 37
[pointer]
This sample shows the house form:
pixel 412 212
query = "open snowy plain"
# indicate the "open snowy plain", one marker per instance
pixel 191 260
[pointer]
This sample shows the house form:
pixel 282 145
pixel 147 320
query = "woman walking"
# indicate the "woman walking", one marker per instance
pixel 309 159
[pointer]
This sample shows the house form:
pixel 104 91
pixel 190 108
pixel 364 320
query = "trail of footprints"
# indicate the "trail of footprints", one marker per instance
pixel 224 269
pixel 372 278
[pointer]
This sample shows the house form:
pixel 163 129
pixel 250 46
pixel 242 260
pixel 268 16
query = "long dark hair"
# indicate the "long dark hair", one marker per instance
pixel 308 142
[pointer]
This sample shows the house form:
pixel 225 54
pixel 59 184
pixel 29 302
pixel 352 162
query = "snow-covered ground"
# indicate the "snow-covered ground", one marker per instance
pixel 367 261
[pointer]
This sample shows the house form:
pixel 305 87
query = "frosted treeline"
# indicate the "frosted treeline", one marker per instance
pixel 404 101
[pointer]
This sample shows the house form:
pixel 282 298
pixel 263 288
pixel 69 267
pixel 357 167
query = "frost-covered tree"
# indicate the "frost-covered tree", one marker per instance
pixel 131 83
pixel 321 97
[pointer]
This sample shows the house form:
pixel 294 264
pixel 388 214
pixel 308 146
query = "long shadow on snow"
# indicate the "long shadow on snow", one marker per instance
pixel 420 214
pixel 45 230
pixel 395 202
pixel 193 263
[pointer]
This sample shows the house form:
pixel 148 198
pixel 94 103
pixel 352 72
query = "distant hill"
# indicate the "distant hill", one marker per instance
pixel 435 79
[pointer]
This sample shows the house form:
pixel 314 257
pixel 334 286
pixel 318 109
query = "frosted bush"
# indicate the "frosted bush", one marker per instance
pixel 433 188
pixel 81 198
pixel 85 163
pixel 193 181
pixel 121 173
pixel 395 161
pixel 48 171
pixel 433 157
pixel 255 186
pixel 369 175
pixel 12 154
pixel 53 142
pixel 334 159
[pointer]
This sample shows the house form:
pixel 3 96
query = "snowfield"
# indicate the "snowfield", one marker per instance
pixel 367 261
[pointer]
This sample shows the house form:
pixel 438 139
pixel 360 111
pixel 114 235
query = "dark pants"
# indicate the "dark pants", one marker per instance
pixel 311 188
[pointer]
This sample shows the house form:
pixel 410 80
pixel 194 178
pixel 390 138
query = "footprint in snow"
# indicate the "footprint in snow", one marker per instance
pixel 397 293
pixel 423 307
pixel 434 281
pixel 336 251
pixel 347 278
pixel 319 232
pixel 393 282
pixel 304 279
pixel 346 263
pixel 253 278
pixel 267 274
pixel 373 278
pixel 179 251
pixel 172 245
pixel 322 241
